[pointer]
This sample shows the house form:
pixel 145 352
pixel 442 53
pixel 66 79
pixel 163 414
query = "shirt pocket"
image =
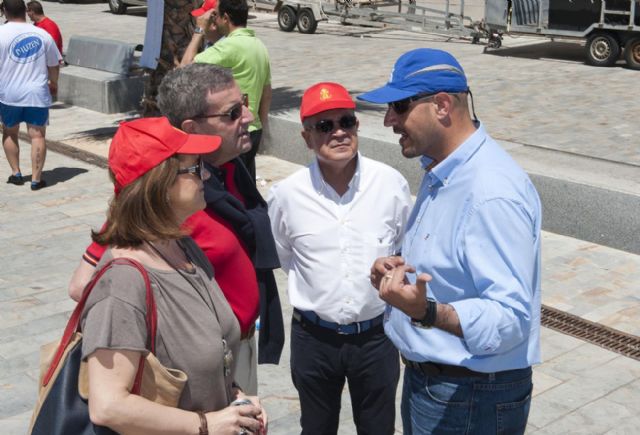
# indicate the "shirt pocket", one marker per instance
pixel 378 245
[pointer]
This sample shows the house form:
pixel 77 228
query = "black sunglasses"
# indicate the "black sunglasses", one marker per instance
pixel 401 106
pixel 197 170
pixel 234 113
pixel 327 125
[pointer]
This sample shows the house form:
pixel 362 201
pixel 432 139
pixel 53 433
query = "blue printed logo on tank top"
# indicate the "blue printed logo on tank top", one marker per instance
pixel 26 48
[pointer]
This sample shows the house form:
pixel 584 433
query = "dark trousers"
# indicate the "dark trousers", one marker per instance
pixel 249 158
pixel 321 360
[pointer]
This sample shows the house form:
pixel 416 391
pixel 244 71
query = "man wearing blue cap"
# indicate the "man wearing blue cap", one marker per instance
pixel 468 338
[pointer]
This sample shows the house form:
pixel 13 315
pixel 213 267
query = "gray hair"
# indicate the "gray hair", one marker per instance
pixel 183 91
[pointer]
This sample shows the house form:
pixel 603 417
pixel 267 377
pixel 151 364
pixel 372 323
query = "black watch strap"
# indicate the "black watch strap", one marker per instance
pixel 429 318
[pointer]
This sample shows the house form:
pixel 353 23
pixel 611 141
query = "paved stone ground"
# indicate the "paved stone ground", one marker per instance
pixel 532 92
pixel 580 388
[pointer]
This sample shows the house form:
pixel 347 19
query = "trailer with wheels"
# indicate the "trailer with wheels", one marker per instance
pixel 392 14
pixel 608 26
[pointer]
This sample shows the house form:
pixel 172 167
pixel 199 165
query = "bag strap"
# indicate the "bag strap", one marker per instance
pixel 73 325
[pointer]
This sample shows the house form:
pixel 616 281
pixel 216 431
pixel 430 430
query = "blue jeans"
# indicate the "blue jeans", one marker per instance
pixel 497 404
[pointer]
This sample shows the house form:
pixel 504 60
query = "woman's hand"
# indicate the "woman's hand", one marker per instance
pixel 264 420
pixel 232 420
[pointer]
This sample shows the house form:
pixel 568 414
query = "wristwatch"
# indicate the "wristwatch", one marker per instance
pixel 198 30
pixel 429 318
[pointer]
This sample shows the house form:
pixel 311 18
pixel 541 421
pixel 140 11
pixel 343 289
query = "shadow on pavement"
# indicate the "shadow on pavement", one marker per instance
pixel 100 133
pixel 564 51
pixel 59 175
pixel 285 98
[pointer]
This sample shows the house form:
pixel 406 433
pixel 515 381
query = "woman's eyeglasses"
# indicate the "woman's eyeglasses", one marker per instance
pixel 401 106
pixel 328 125
pixel 197 170
pixel 234 113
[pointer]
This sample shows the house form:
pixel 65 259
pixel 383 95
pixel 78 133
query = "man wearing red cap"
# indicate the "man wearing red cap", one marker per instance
pixel 330 221
pixel 205 29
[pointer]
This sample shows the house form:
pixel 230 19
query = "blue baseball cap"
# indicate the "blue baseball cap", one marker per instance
pixel 420 71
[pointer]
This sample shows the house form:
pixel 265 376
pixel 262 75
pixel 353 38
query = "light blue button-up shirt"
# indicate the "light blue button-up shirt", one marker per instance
pixel 475 228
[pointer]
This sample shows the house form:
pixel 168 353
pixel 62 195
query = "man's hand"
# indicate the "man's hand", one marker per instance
pixel 409 298
pixel 204 20
pixel 382 266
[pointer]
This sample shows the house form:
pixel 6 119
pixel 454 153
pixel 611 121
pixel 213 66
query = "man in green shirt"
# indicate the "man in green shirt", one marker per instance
pixel 248 59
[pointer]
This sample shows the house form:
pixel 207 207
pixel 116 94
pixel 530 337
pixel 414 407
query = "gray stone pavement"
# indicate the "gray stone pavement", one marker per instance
pixel 532 92
pixel 550 99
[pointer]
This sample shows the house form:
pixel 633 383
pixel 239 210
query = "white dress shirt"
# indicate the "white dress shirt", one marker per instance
pixel 327 243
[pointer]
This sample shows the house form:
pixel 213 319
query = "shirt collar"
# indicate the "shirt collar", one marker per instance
pixel 241 31
pixel 321 186
pixel 444 170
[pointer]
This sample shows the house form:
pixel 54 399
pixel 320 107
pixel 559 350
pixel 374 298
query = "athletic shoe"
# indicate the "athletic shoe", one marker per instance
pixel 16 179
pixel 37 185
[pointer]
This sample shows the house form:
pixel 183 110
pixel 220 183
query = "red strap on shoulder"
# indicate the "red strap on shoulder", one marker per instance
pixel 73 324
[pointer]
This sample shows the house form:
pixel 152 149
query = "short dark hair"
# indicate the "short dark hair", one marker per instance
pixel 36 7
pixel 14 8
pixel 183 91
pixel 141 211
pixel 236 10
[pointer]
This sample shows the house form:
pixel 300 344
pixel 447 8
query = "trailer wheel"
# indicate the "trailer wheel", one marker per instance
pixel 307 23
pixel 602 49
pixel 495 41
pixel 632 53
pixel 117 7
pixel 287 19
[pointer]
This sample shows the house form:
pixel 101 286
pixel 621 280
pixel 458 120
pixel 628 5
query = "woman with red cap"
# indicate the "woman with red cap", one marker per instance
pixel 158 178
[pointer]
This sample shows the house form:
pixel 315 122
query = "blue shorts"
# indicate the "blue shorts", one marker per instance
pixel 13 115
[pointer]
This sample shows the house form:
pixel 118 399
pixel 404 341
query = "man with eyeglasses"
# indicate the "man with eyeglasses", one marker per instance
pixel 464 295
pixel 234 230
pixel 248 59
pixel 330 221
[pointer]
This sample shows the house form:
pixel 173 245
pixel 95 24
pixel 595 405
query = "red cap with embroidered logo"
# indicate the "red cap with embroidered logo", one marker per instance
pixel 206 6
pixel 140 145
pixel 325 96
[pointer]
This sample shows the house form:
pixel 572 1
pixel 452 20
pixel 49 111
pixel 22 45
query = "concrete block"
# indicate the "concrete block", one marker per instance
pixel 101 54
pixel 100 91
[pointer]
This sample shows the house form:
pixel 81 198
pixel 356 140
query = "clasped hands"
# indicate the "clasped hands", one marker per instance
pixel 388 275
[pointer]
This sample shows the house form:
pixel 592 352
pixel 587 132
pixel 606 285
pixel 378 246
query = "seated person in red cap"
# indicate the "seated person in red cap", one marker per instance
pixel 205 29
pixel 330 221
pixel 158 178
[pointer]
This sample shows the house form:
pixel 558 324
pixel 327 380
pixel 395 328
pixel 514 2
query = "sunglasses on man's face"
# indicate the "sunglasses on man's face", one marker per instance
pixel 347 122
pixel 197 170
pixel 401 106
pixel 234 113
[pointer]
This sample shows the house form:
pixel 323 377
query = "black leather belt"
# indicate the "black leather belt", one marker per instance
pixel 438 369
pixel 348 329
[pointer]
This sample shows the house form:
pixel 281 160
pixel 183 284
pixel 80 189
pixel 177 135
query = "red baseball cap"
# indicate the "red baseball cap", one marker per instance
pixel 140 145
pixel 324 96
pixel 206 6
